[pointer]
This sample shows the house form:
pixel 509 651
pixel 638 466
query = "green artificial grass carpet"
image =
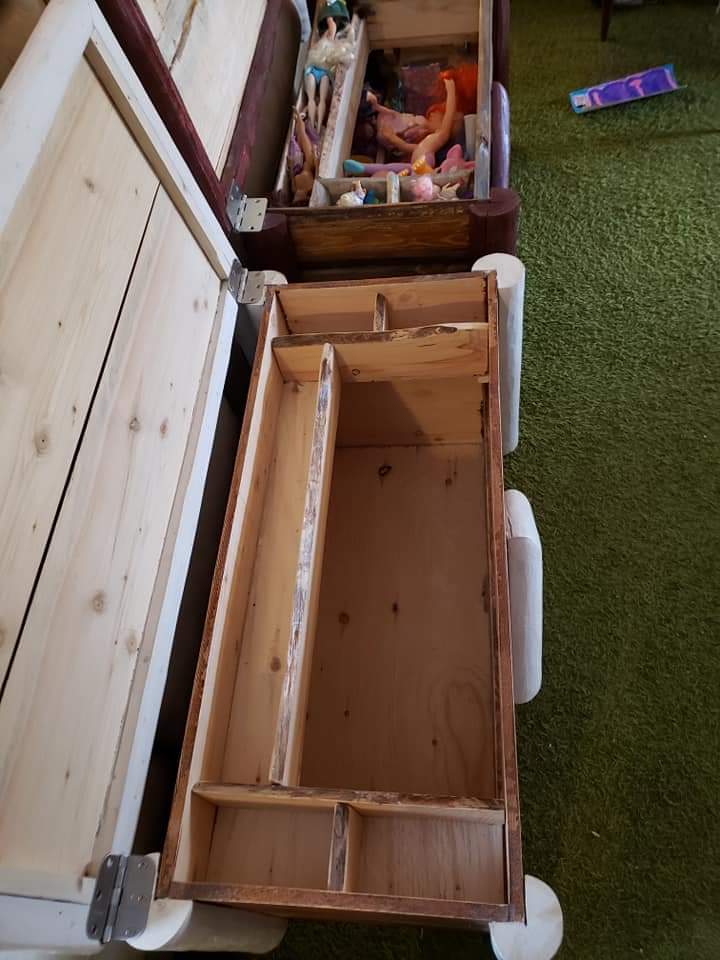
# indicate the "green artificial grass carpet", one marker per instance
pixel 620 753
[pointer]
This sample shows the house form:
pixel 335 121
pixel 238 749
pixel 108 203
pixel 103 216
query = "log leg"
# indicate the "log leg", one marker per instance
pixel 511 296
pixel 540 937
pixel 605 18
pixel 186 925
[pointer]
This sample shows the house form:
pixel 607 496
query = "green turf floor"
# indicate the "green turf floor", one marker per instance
pixel 620 754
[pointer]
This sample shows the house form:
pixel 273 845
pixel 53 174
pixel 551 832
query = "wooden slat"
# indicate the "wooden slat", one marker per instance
pixel 415 354
pixel 416 302
pixel 339 846
pixel 67 692
pixel 287 750
pixel 500 618
pixel 365 801
pixel 332 905
pixel 380 315
pixel 63 273
pixel 122 804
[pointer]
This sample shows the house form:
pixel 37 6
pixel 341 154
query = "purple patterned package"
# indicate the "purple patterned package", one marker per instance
pixel 636 86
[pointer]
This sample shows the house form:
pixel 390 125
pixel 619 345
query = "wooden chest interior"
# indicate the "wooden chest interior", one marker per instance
pixel 402 34
pixel 350 744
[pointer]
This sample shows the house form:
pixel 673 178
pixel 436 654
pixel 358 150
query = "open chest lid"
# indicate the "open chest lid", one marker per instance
pixel 121 295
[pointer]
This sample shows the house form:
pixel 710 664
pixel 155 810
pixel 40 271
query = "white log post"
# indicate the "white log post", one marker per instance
pixel 511 296
pixel 540 937
pixel 187 925
pixel 525 576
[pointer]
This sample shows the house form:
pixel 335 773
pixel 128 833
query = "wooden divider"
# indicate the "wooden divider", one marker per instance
pixel 365 801
pixel 287 748
pixel 380 313
pixel 414 354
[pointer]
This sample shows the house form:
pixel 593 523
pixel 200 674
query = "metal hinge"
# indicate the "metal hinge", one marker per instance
pixel 245 286
pixel 121 898
pixel 246 214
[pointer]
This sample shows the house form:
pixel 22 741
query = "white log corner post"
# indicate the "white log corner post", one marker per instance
pixel 540 936
pixel 511 295
pixel 525 576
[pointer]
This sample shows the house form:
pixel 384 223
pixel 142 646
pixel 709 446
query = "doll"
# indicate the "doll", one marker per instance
pixel 302 182
pixel 331 50
pixel 354 197
pixel 413 137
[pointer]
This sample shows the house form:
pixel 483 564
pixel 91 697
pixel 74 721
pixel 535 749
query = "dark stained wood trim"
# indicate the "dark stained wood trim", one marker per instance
pixel 139 46
pixel 334 905
pixel 501 42
pixel 237 162
pixel 500 613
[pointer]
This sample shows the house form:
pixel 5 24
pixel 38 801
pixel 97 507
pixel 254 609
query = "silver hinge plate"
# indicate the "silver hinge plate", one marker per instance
pixel 246 214
pixel 121 899
pixel 245 286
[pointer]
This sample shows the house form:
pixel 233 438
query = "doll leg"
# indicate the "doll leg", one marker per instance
pixel 323 101
pixel 310 88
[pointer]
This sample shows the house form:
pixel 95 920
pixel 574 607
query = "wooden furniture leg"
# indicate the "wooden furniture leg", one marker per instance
pixel 605 18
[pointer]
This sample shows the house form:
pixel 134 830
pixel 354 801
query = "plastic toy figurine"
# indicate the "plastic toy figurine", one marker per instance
pixel 302 182
pixel 418 138
pixel 354 197
pixel 331 50
pixel 454 161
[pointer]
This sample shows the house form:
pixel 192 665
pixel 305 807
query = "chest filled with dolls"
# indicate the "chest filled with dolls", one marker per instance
pixel 397 151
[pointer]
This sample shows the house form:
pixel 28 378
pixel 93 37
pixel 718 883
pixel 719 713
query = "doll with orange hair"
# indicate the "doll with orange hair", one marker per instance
pixel 414 137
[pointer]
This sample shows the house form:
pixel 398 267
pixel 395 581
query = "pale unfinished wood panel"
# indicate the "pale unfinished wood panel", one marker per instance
pixel 17 20
pixel 62 711
pixel 318 308
pixel 402 696
pixel 67 251
pixel 408 413
pixel 274 848
pixel 435 859
pixel 412 354
pixel 365 801
pixel 211 63
pixel 169 21
pixel 263 639
pixel 287 748
pixel 416 23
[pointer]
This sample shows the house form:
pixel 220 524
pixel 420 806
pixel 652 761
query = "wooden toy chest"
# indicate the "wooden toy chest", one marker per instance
pixel 321 241
pixel 350 750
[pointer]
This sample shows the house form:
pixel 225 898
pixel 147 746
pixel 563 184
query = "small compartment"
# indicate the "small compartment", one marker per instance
pixel 272 847
pixel 449 858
